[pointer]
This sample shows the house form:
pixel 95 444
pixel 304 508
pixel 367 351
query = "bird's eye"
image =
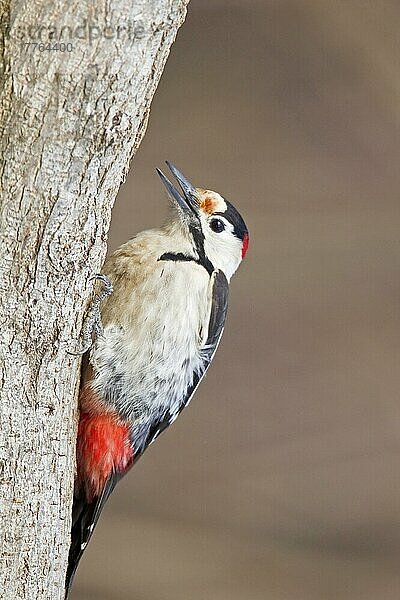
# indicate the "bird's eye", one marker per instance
pixel 217 225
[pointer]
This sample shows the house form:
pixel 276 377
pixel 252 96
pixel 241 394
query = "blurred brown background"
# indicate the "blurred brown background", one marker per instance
pixel 282 479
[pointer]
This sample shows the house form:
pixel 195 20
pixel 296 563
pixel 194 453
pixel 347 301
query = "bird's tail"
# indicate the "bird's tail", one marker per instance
pixel 84 518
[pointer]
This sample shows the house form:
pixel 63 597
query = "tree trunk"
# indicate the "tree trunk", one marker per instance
pixel 72 117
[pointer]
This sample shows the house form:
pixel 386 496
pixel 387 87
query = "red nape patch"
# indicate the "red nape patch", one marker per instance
pixel 103 446
pixel 245 244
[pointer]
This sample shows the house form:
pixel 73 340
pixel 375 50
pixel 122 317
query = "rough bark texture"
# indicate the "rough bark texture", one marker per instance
pixel 70 122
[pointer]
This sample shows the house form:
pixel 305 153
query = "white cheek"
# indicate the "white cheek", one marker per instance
pixel 224 251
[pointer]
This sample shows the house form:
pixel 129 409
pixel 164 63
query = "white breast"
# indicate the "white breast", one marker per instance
pixel 152 344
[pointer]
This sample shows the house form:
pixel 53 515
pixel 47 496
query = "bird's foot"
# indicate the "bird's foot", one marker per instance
pixel 93 325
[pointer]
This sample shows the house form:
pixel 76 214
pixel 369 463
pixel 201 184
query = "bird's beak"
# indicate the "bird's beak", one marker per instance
pixel 187 201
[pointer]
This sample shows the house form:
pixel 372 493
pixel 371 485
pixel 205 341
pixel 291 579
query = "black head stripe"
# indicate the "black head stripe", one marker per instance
pixel 198 238
pixel 234 217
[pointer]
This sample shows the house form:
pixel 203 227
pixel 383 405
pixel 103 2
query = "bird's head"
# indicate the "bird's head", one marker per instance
pixel 217 231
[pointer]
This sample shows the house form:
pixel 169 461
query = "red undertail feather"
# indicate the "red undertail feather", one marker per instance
pixel 103 446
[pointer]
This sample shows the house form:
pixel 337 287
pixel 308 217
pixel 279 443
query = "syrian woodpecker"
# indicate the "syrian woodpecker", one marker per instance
pixel 160 329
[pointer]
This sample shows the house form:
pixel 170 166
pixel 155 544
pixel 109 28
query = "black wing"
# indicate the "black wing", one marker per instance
pixel 85 514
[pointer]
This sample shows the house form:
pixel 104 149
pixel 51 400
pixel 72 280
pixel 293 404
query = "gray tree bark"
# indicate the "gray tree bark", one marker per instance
pixel 71 118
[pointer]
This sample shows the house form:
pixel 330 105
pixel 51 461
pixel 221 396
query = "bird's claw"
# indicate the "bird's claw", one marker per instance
pixel 93 324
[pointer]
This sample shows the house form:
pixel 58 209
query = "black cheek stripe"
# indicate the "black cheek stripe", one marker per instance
pixel 179 256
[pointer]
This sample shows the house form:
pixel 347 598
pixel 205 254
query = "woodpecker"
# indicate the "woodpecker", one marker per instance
pixel 160 328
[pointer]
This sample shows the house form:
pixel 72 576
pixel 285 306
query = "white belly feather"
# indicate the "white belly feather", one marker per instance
pixel 147 358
